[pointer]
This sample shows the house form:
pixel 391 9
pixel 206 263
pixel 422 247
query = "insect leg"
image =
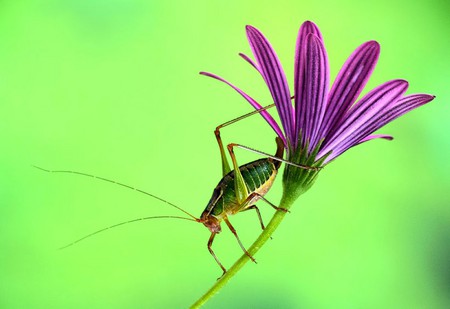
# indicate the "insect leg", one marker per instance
pixel 258 213
pixel 210 241
pixel 249 199
pixel 254 194
pixel 225 166
pixel 259 216
pixel 239 184
pixel 275 157
pixel 239 241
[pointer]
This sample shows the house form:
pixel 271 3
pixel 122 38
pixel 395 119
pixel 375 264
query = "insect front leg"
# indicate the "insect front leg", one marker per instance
pixel 210 241
pixel 232 229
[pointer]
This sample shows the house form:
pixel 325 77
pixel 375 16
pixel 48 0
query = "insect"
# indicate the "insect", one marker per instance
pixel 237 191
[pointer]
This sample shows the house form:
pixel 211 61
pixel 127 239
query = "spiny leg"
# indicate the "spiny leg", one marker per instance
pixel 250 198
pixel 259 215
pixel 254 194
pixel 239 241
pixel 210 241
pixel 225 165
pixel 275 157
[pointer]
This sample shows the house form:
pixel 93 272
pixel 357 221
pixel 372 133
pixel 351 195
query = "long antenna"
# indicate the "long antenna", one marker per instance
pixel 122 223
pixel 120 184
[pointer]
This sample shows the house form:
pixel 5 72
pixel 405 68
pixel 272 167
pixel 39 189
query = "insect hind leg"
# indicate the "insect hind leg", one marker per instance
pixel 276 158
pixel 225 165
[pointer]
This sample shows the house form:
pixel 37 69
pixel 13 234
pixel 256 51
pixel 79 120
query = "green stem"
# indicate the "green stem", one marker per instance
pixel 286 203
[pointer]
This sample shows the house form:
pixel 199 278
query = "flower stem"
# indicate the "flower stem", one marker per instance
pixel 286 203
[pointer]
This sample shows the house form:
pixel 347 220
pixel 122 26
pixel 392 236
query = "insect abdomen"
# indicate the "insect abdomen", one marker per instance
pixel 258 176
pixel 257 173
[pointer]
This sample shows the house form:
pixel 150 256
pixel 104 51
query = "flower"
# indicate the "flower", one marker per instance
pixel 323 123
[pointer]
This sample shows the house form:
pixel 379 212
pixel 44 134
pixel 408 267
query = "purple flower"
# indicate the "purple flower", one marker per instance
pixel 323 123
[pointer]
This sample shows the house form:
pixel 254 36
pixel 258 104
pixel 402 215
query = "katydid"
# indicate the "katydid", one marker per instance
pixel 238 190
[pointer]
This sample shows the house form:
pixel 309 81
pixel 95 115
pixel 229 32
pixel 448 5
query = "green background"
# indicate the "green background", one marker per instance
pixel 112 88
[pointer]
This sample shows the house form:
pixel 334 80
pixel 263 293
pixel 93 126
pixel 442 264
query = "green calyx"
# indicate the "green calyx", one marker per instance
pixel 297 181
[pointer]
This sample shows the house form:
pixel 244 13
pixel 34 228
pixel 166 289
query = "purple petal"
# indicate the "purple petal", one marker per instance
pixel 247 58
pixel 313 86
pixel 348 85
pixel 361 114
pixel 274 77
pixel 306 28
pixel 394 110
pixel 371 137
pixel 255 104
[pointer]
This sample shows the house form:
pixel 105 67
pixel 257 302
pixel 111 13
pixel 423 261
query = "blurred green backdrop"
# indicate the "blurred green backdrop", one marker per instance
pixel 112 88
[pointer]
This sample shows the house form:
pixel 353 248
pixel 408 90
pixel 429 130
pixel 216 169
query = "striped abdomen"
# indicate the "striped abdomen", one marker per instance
pixel 258 176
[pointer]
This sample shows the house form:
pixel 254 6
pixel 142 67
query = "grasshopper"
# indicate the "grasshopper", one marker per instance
pixel 237 191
